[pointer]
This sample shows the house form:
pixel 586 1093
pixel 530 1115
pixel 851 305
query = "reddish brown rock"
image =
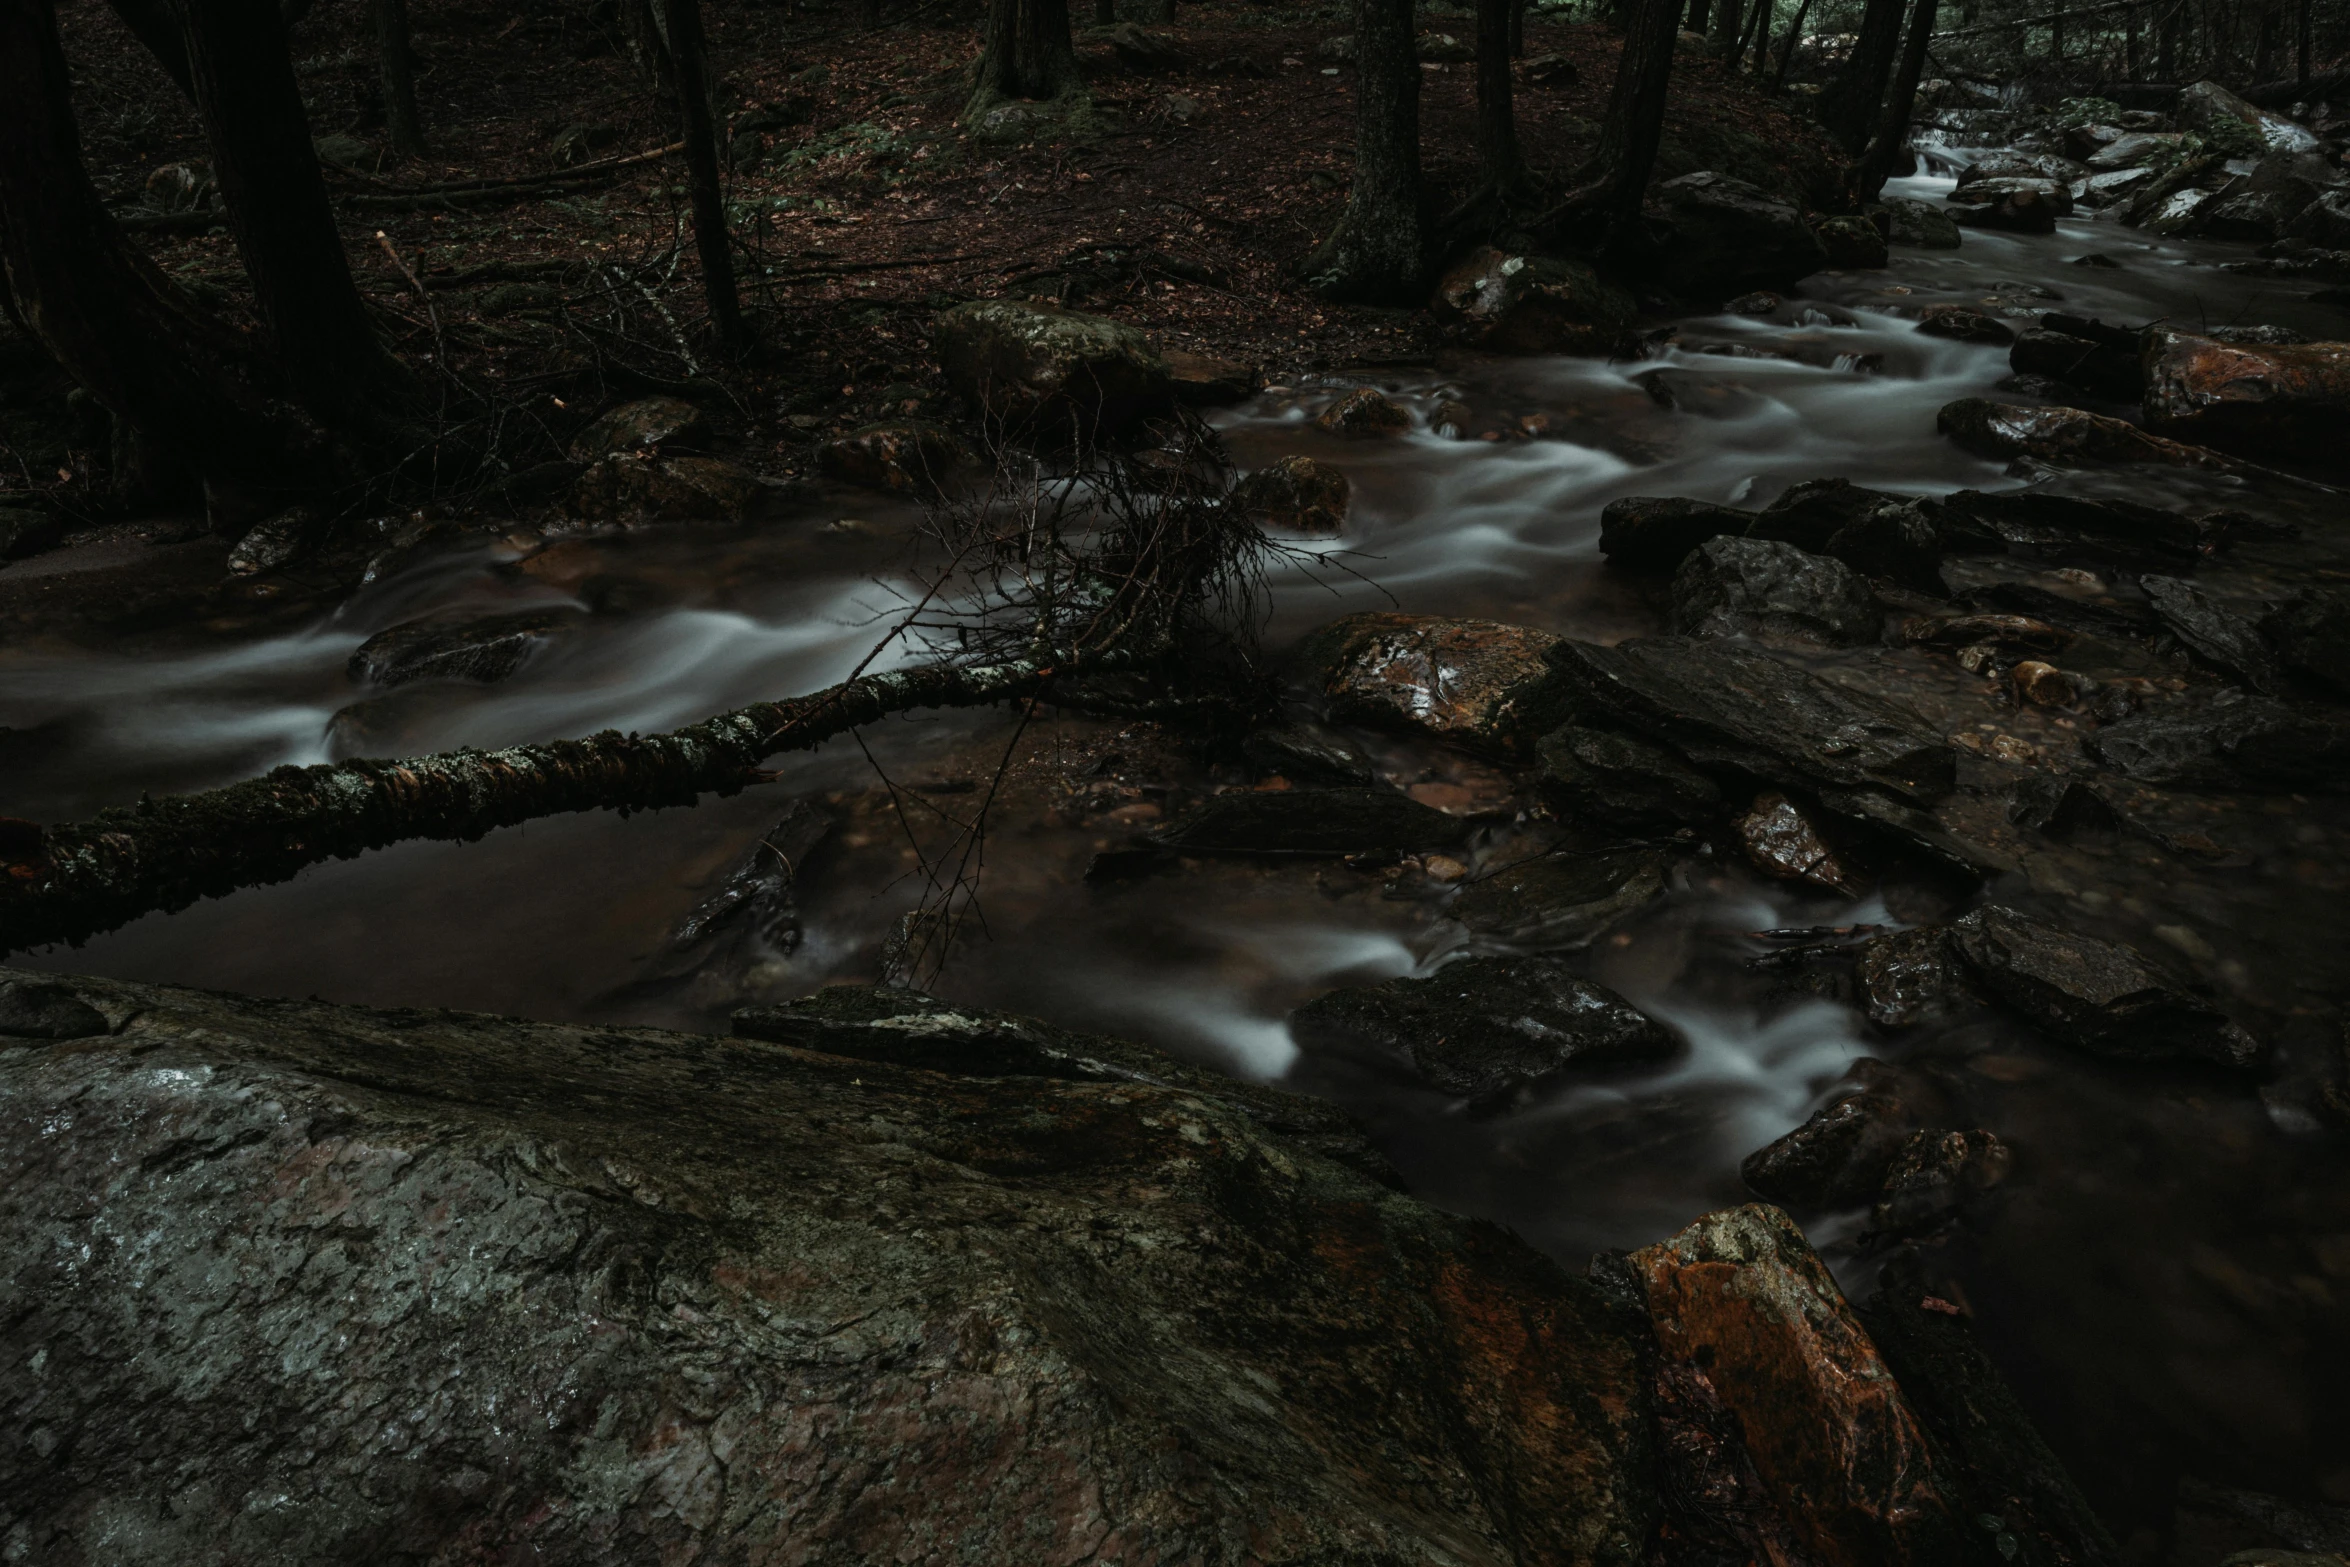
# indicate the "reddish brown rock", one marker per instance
pixel 1936 1177
pixel 909 457
pixel 1364 411
pixel 1837 1159
pixel 1829 1432
pixel 1470 682
pixel 1782 841
pixel 2269 399
pixel 1533 304
pixel 1297 493
pixel 1991 429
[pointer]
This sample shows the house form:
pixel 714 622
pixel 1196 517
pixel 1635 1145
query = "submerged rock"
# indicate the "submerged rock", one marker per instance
pixel 446 648
pixel 1722 704
pixel 2220 637
pixel 1622 780
pixel 1851 242
pixel 1761 587
pixel 1485 1028
pixel 908 456
pixel 2284 400
pixel 2099 995
pixel 1564 900
pixel 1469 682
pixel 1533 304
pixel 1837 1159
pixel 1365 411
pixel 1741 1294
pixel 646 424
pixel 1965 325
pixel 664 1260
pixel 1036 368
pixel 1934 1178
pixel 1297 493
pixel 1311 822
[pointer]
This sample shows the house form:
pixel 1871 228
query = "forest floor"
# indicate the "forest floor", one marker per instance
pixel 859 207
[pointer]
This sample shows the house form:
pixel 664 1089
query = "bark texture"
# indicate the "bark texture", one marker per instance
pixel 166 854
pixel 1497 120
pixel 183 388
pixel 1848 107
pixel 278 210
pixel 290 1282
pixel 1617 176
pixel 1885 143
pixel 1027 53
pixel 1378 254
pixel 403 124
pixel 691 56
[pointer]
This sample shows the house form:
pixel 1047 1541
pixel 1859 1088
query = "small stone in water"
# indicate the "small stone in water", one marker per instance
pixel 2044 685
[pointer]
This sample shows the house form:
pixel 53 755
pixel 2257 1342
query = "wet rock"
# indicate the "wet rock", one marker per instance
pixel 1655 533
pixel 2283 400
pixel 1487 1028
pixel 2018 206
pixel 1811 513
pixel 2217 635
pixel 2061 808
pixel 2252 217
pixel 1622 780
pixel 2017 633
pixel 35 1009
pixel 1780 839
pixel 25 533
pixel 663 1257
pixel 1851 242
pixel 2133 151
pixel 2311 632
pixel 1549 70
pixel 1910 977
pixel 1453 419
pixel 759 896
pixel 1900 541
pixel 1523 304
pixel 1727 705
pixel 648 423
pixel 1837 1159
pixel 1935 1178
pixel 2211 109
pixel 1741 1294
pixel 1965 325
pixel 2044 166
pixel 633 490
pixel 443 648
pixel 1707 397
pixel 2045 685
pixel 1562 901
pixel 1033 368
pixel 2104 190
pixel 1993 429
pixel 907 457
pixel 277 542
pixel 1297 493
pixel 2078 361
pixel 2004 1473
pixel 1723 236
pixel 1468 682
pixel 2180 212
pixel 1762 302
pixel 1201 381
pixel 2039 522
pixel 1309 753
pixel 2099 995
pixel 2324 222
pixel 2230 745
pixel 1761 587
pixel 1311 822
pixel 1921 224
pixel 1365 411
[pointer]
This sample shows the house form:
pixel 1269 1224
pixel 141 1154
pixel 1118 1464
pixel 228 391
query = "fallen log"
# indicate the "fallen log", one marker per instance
pixel 71 882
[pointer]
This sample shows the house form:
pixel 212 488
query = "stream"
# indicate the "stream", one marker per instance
pixel 2167 1281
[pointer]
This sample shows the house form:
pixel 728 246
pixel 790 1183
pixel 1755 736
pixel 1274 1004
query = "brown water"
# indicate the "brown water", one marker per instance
pixel 2166 1277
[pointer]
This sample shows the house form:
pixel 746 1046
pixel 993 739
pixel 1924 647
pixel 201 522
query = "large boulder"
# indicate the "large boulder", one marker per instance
pixel 1038 369
pixel 1836 1159
pixel 1655 533
pixel 647 424
pixel 1467 682
pixel 1762 587
pixel 634 490
pixel 2252 217
pixel 1523 304
pixel 1832 1438
pixel 2325 222
pixel 290 1282
pixel 1919 223
pixel 1721 236
pixel 2099 995
pixel 2223 119
pixel 2284 400
pixel 1995 429
pixel 1852 242
pixel 906 456
pixel 1486 1028
pixel 2133 151
pixel 2016 203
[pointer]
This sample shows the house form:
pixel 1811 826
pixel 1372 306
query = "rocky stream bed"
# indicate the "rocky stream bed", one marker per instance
pixel 1775 993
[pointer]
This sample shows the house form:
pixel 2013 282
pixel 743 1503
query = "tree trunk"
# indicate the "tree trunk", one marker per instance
pixel 682 23
pixel 1695 21
pixel 1893 125
pixel 1635 125
pixel 1787 49
pixel 2166 47
pixel 1518 28
pixel 186 394
pixel 403 125
pixel 277 209
pixel 1757 39
pixel 1497 123
pixel 2264 50
pixel 1027 54
pixel 1849 106
pixel 168 853
pixel 153 25
pixel 1729 26
pixel 1378 254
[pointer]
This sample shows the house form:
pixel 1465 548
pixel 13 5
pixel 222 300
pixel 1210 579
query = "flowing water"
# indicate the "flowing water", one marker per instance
pixel 2165 1280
